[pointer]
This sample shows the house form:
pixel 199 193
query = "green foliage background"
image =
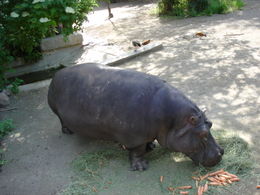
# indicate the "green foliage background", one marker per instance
pixel 24 23
pixel 24 32
pixel 185 8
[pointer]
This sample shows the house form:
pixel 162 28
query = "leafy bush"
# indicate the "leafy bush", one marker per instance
pixel 14 85
pixel 186 8
pixel 3 80
pixel 5 58
pixel 26 22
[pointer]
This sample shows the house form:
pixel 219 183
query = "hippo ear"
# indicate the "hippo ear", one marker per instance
pixel 193 120
pixel 204 110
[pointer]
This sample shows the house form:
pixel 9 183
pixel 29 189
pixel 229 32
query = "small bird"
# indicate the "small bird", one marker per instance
pixel 136 44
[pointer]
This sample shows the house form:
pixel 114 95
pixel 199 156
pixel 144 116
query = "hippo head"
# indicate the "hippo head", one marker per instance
pixel 191 135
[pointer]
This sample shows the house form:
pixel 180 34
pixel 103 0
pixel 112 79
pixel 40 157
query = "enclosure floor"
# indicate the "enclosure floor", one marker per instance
pixel 220 71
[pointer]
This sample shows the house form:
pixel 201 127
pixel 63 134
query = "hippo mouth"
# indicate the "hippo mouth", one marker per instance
pixel 207 159
pixel 211 162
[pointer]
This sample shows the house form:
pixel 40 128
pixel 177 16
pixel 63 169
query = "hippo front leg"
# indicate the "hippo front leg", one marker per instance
pixel 150 146
pixel 136 157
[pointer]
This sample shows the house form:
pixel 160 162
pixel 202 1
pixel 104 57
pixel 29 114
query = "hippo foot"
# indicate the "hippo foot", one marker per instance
pixel 139 164
pixel 65 130
pixel 150 146
pixel 136 158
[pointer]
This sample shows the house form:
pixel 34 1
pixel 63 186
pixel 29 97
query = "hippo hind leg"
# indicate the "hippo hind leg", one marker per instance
pixel 64 129
pixel 136 157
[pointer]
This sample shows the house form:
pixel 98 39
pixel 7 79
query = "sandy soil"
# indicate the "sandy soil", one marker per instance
pixel 220 71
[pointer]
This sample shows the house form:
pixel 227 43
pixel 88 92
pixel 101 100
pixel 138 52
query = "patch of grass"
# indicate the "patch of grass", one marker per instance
pixel 14 85
pixel 88 168
pixel 187 8
pixel 2 162
pixel 107 170
pixel 5 127
pixel 90 164
pixel 237 158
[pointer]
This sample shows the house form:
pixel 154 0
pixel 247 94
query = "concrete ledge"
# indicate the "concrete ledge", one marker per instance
pixel 50 60
pixel 16 63
pixel 132 54
pixel 111 62
pixel 35 86
pixel 58 41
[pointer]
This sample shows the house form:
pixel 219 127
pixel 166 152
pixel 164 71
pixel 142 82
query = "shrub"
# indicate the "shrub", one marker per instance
pixel 24 23
pixel 5 58
pixel 186 8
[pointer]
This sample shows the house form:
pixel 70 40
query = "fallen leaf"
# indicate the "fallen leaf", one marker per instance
pixel 94 189
pixel 195 178
pixel 200 34
pixel 146 42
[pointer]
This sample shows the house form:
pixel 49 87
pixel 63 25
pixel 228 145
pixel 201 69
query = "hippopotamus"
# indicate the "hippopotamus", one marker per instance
pixel 134 109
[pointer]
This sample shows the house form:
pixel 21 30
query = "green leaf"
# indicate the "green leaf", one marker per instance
pixel 37 6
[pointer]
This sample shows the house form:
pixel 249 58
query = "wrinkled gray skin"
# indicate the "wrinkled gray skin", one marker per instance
pixel 133 109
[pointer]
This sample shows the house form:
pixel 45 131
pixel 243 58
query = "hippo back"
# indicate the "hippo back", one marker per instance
pixel 105 102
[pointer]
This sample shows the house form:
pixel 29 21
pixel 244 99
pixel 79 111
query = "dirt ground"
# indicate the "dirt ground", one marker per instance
pixel 220 71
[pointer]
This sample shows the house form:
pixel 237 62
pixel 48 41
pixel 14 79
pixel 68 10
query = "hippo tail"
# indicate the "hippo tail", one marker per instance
pixel 51 98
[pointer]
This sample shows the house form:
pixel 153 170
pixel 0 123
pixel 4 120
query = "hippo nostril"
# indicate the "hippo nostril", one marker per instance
pixel 221 151
pixel 210 124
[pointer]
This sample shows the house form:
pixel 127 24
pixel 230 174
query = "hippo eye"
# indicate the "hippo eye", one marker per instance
pixel 193 120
